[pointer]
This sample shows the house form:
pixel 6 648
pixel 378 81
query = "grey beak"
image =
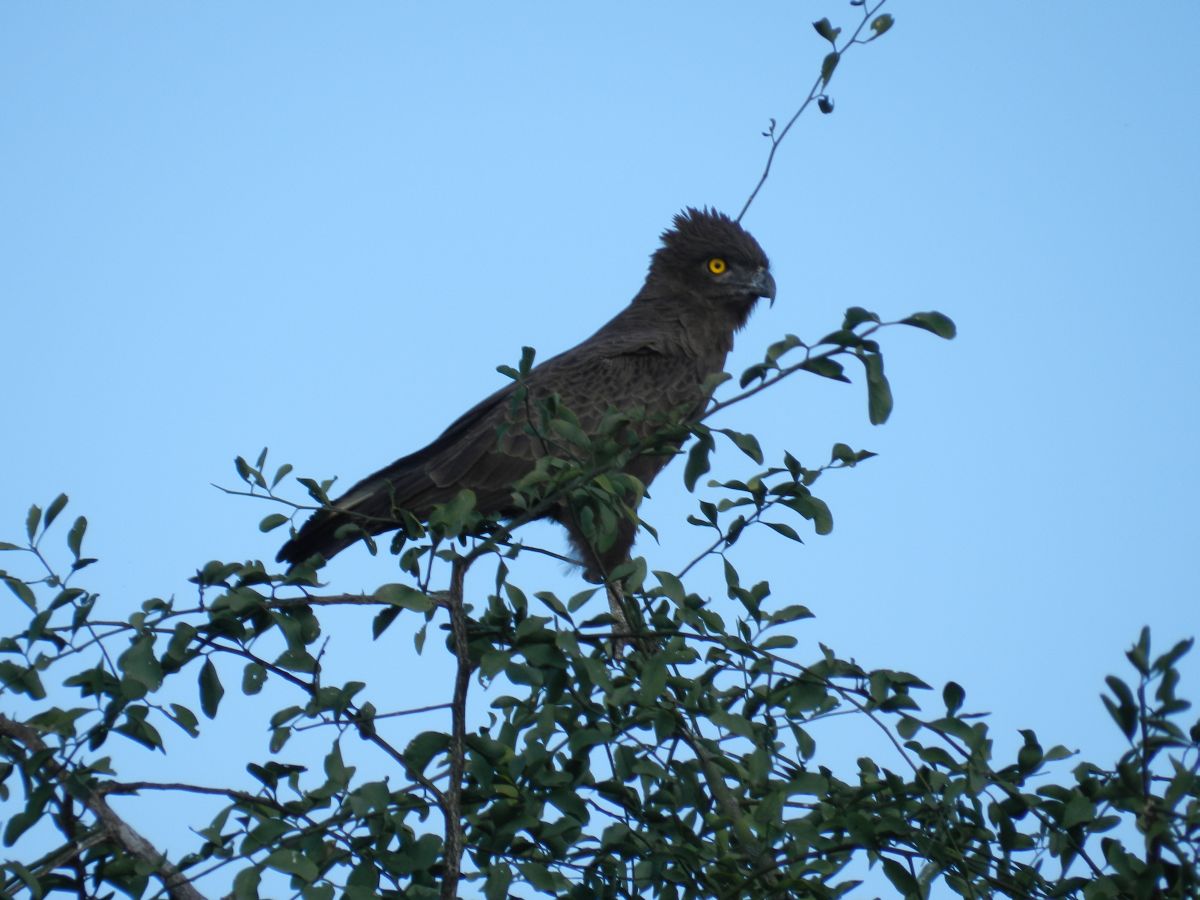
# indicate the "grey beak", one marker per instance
pixel 764 284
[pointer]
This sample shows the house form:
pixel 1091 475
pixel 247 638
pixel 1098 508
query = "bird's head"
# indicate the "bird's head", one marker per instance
pixel 710 257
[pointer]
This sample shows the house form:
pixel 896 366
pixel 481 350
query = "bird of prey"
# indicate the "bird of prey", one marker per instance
pixel 651 361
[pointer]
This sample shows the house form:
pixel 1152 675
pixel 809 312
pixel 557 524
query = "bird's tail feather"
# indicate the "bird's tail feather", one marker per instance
pixel 371 505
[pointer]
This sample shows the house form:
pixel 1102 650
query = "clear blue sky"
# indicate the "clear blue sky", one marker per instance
pixel 320 228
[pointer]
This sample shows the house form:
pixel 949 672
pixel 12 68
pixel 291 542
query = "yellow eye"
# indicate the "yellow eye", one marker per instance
pixel 717 266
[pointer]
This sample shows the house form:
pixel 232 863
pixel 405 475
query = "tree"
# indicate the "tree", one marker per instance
pixel 684 764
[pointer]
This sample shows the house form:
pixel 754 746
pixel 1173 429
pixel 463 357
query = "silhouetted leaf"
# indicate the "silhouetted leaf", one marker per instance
pixel 826 30
pixel 697 461
pixel 933 322
pixel 55 507
pixel 879 392
pixel 881 24
pixel 828 65
pixel 403 596
pixel 211 690
pixel 31 521
pixel 21 589
pixel 272 521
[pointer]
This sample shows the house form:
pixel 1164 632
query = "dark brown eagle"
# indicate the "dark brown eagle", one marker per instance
pixel 652 358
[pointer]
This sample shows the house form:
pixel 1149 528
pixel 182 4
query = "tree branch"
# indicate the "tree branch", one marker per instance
pixel 815 92
pixel 458 738
pixel 177 884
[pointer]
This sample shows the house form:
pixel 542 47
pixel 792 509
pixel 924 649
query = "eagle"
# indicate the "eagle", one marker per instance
pixel 652 361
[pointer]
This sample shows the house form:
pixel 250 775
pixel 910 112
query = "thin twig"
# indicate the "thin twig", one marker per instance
pixel 815 92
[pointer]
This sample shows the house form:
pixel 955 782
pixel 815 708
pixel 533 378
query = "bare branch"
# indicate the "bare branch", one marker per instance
pixel 815 93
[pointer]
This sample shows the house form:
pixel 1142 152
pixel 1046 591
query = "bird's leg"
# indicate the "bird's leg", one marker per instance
pixel 621 629
pixel 598 566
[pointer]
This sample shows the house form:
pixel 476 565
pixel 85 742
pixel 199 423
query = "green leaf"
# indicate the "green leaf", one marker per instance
pixel 21 822
pixel 253 678
pixel 1079 809
pixel 879 392
pixel 786 530
pixel 456 515
pixel 735 724
pixel 293 862
pixel 75 536
pixel 1125 711
pixel 826 368
pixel 934 322
pixel 55 507
pixel 404 597
pixel 419 637
pixel 844 454
pixel 135 727
pixel 856 315
pixel 953 696
pixel 552 601
pixel 32 520
pixel 1121 690
pixel 23 679
pixel 185 719
pixel 571 433
pixel 578 600
pixel 1172 656
pixel 671 586
pixel 822 518
pixel 900 878
pixel 778 642
pixel 1057 752
pixel 139 663
pixel 248 474
pixel 272 522
pixel 697 461
pixel 828 65
pixel 525 366
pixel 281 474
pixel 654 680
pixel 211 690
pixel 245 886
pixel 826 30
pixel 21 589
pixel 279 737
pixel 336 769
pixel 793 613
pixel 747 443
pixel 842 338
pixel 538 876
pixel 30 880
pixel 383 621
pixel 499 877
pixel 1139 653
pixel 424 747
pixel 880 24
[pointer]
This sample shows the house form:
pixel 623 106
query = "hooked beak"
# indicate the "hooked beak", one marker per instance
pixel 763 285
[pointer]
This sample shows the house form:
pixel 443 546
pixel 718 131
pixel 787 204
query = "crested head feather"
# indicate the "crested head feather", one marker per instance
pixel 700 233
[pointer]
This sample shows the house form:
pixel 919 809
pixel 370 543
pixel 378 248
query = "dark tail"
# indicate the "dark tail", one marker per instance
pixel 320 535
pixel 367 508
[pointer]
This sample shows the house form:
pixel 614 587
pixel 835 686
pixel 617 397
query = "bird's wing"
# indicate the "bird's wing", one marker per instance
pixel 488 448
pixel 416 482
pixel 456 459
